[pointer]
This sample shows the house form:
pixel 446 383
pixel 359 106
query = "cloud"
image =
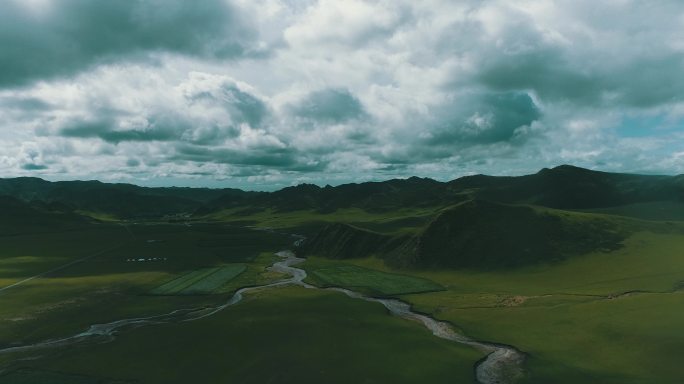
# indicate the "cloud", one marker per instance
pixel 156 128
pixel 330 105
pixel 613 55
pixel 31 104
pixel 33 167
pixel 269 92
pixel 241 105
pixel 354 22
pixel 63 37
pixel 201 109
pixel 492 118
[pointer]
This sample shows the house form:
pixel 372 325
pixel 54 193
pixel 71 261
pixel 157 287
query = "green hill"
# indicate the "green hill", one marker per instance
pixel 343 241
pixel 18 217
pixel 482 234
pixel 569 187
pixel 477 234
pixel 118 200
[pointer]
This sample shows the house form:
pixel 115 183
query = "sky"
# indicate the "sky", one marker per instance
pixel 262 94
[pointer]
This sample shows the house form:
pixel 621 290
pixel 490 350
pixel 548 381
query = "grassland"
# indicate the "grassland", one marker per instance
pixel 371 281
pixel 307 222
pixel 602 317
pixel 107 286
pixel 605 317
pixel 29 376
pixel 285 335
pixel 658 210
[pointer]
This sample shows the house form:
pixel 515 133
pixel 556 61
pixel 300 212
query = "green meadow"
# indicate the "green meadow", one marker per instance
pixel 606 317
pixel 284 335
pixel 404 220
pixel 107 282
pixel 367 280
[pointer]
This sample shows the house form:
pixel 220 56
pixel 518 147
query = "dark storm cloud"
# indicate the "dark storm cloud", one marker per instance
pixel 242 106
pixel 644 83
pixel 497 117
pixel 72 35
pixel 331 105
pixel 108 131
pixel 207 128
pixel 544 72
pixel 24 104
pixel 272 157
pixel 33 167
pixel 651 82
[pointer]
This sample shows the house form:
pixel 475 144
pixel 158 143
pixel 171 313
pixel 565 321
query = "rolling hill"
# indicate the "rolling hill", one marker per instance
pixel 477 234
pixel 17 217
pixel 117 200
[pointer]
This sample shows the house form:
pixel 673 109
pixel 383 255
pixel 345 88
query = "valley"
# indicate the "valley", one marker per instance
pixel 582 293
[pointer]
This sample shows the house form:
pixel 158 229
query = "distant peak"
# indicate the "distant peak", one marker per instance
pixel 564 168
pixel 302 187
pixel 568 166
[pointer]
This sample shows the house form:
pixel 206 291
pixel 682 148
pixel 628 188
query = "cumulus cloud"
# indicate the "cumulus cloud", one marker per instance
pixel 265 93
pixel 62 37
pixel 329 106
pixel 488 118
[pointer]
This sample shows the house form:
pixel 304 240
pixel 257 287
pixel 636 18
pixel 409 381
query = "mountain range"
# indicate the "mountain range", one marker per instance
pixel 563 187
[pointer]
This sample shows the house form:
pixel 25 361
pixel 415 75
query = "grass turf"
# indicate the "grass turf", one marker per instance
pixel 574 318
pixel 400 221
pixel 286 335
pixel 368 280
pixel 108 287
pixel 561 313
pixel 29 376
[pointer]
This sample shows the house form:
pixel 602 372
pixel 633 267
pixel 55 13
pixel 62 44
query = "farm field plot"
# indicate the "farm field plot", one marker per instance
pixel 201 281
pixel 377 282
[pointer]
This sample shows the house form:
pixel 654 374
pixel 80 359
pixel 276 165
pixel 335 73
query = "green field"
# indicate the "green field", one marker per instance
pixel 307 222
pixel 106 286
pixel 369 280
pixel 30 376
pixel 602 317
pixel 284 335
pixel 580 321
pixel 201 281
pixel 660 210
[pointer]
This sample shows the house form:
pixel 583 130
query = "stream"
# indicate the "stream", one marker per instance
pixel 502 364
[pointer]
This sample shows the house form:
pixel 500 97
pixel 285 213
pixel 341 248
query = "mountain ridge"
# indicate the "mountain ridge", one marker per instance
pixel 563 187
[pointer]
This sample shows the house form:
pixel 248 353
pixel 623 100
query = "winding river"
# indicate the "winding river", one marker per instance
pixel 502 364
